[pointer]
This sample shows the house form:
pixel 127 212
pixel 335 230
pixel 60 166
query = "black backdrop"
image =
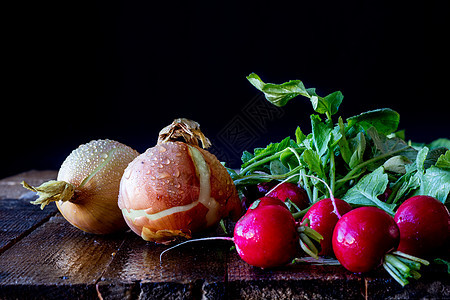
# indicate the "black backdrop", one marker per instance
pixel 123 70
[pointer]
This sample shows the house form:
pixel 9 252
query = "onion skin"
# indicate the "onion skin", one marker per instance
pixel 90 178
pixel 174 190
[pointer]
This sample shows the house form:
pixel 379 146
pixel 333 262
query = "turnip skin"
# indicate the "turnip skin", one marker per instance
pixel 176 189
pixel 362 237
pixel 323 220
pixel 424 225
pixel 87 186
pixel 267 236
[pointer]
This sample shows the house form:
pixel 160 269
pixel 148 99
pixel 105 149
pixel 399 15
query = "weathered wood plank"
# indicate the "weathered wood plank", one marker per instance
pixel 19 218
pixel 189 272
pixel 10 187
pixel 434 284
pixel 56 261
pixel 298 281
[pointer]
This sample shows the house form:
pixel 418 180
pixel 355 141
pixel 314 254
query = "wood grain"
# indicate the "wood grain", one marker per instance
pixel 19 218
pixel 298 281
pixel 58 260
pixel 42 256
pixel 183 273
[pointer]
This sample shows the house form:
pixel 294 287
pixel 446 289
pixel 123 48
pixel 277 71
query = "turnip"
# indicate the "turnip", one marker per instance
pixel 176 188
pixel 423 223
pixel 87 186
pixel 323 219
pixel 268 236
pixel 366 237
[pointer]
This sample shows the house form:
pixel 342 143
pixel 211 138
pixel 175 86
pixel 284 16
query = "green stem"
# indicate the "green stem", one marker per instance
pixel 276 177
pixel 364 164
pixel 413 258
pixel 401 266
pixel 257 157
pixel 301 213
pixel 302 174
pixel 393 194
pixel 261 162
pixel 315 194
pixel 332 172
pixel 395 274
pixel 311 233
pixel 308 246
pixel 306 185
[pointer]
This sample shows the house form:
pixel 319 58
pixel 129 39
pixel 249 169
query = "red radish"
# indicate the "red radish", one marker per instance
pixel 385 196
pixel 363 239
pixel 423 223
pixel 264 187
pixel 268 236
pixel 287 190
pixel 251 193
pixel 255 192
pixel 265 201
pixel 323 220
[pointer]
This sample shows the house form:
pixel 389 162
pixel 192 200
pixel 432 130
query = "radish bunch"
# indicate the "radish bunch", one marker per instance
pixel 362 239
pixel 365 161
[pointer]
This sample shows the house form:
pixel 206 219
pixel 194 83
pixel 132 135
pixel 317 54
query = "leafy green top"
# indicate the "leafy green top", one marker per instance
pixel 359 158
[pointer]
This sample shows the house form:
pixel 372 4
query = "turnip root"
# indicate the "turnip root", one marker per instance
pixel 87 186
pixel 176 188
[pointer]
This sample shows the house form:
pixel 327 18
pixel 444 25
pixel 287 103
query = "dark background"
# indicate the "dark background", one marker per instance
pixel 123 70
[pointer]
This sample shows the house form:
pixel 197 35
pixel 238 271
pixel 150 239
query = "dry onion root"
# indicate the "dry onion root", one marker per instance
pixel 176 188
pixel 87 186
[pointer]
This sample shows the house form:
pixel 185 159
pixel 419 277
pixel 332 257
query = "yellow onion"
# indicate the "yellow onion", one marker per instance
pixel 176 188
pixel 87 186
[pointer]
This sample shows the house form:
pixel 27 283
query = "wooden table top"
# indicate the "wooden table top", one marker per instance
pixel 43 257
